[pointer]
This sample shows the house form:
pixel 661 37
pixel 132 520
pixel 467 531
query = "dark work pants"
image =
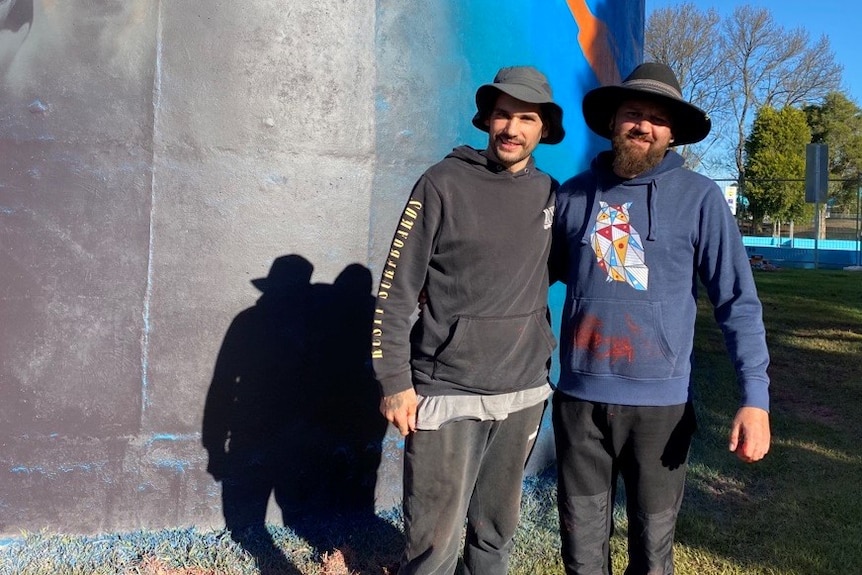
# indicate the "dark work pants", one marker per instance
pixel 647 446
pixel 466 469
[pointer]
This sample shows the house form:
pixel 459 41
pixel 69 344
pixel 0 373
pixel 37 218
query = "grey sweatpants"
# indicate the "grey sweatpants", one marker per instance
pixel 466 469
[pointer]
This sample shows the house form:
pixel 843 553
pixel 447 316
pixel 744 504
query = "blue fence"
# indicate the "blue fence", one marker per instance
pixel 804 252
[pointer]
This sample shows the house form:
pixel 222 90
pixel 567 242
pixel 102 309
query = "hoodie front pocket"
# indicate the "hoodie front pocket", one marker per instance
pixel 491 354
pixel 619 338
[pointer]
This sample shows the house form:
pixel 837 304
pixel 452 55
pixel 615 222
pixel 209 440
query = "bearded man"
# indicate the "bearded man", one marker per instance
pixel 632 237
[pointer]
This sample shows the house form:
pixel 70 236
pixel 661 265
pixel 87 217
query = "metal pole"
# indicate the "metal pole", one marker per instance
pixel 816 230
pixel 859 228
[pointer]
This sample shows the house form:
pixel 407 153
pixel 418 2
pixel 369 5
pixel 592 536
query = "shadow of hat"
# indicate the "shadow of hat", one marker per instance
pixel 285 272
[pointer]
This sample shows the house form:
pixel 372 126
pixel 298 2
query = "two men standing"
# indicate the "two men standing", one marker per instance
pixel 631 237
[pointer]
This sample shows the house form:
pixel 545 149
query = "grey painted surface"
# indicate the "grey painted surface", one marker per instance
pixel 155 158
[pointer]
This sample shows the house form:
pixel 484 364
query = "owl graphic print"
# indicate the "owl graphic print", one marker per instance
pixel 633 253
pixel 618 246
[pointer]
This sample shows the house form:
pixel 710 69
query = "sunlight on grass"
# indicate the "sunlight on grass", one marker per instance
pixel 833 340
pixel 820 450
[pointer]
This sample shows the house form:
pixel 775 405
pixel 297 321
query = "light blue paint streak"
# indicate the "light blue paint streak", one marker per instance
pixel 178 465
pixel 382 104
pixel 60 468
pixel 148 296
pixel 173 437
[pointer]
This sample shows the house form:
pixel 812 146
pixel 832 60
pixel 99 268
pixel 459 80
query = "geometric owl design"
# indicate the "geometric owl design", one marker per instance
pixel 618 248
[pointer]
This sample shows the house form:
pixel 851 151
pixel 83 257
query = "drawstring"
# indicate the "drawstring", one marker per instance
pixel 652 188
pixel 651 209
pixel 591 210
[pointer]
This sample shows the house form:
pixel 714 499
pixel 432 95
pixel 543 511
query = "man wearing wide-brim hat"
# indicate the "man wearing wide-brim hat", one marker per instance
pixel 633 236
pixel 467 383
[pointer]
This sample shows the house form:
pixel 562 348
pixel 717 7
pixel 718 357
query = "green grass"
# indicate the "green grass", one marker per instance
pixel 798 512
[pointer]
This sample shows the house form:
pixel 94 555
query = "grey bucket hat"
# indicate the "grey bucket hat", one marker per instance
pixel 528 85
pixel 649 81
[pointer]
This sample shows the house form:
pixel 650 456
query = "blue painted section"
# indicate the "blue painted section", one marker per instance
pixel 499 33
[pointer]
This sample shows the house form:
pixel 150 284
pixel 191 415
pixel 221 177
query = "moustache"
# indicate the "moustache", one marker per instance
pixel 504 139
pixel 641 136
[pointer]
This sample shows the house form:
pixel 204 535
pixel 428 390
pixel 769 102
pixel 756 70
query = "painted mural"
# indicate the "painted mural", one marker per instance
pixel 194 202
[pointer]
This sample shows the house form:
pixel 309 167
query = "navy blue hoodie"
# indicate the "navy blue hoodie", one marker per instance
pixel 631 253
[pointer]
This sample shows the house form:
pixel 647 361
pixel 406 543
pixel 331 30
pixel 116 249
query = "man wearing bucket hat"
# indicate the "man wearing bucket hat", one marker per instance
pixel 633 235
pixel 467 383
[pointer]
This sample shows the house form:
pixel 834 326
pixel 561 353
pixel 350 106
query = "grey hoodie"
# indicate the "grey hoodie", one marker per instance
pixel 476 238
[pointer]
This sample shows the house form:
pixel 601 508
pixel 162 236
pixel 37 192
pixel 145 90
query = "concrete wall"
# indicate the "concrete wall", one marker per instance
pixel 155 158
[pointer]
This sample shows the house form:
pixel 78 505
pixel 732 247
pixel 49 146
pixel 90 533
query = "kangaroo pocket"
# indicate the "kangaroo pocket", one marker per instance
pixel 494 354
pixel 620 338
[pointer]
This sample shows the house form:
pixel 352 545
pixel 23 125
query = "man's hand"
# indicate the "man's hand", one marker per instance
pixel 400 410
pixel 749 434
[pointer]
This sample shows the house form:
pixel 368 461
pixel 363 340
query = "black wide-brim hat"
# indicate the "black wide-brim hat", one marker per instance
pixel 527 84
pixel 649 81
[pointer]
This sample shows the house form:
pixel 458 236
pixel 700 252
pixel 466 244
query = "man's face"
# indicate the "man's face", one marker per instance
pixel 640 135
pixel 515 128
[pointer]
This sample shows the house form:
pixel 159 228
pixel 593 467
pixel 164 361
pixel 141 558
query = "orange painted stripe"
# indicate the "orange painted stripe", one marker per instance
pixel 595 42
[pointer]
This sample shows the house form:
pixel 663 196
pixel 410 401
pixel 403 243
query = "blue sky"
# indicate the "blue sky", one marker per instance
pixel 839 20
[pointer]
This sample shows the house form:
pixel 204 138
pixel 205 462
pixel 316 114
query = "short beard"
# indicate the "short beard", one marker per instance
pixel 630 161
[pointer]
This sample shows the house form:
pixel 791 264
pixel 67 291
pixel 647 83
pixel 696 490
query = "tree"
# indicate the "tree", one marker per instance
pixel 692 53
pixel 775 164
pixel 837 122
pixel 772 67
pixel 753 63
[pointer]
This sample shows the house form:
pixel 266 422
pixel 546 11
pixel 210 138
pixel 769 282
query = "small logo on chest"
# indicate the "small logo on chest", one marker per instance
pixel 549 217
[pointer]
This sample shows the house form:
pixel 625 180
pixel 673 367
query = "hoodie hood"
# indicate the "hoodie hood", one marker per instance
pixel 606 179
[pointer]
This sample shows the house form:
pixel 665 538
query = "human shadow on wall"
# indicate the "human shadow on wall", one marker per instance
pixel 292 411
